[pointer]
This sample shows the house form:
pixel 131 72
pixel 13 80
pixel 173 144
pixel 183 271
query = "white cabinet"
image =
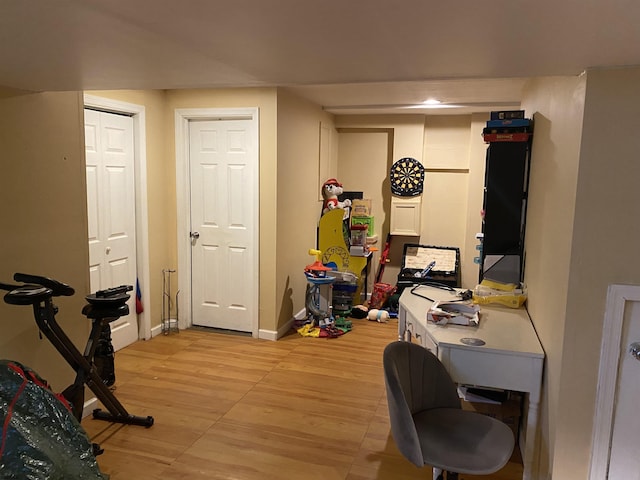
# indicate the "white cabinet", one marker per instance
pixel 405 216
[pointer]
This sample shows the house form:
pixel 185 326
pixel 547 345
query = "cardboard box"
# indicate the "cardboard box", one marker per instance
pixel 361 207
pixel 507 115
pixel 515 122
pixel 506 137
pixel 506 129
pixel 508 412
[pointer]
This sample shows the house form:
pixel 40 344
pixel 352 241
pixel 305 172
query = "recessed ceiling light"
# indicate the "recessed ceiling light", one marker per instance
pixel 433 106
pixel 432 101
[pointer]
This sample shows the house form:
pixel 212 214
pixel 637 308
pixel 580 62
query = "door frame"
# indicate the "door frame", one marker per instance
pixel 617 297
pixel 137 112
pixel 183 199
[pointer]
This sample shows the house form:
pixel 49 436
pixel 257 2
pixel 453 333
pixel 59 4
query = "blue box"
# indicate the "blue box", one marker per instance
pixel 515 122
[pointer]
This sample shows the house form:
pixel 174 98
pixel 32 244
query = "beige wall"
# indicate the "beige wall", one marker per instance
pixel 557 108
pixel 298 206
pixel 364 158
pixel 265 100
pixel 448 162
pixel 408 130
pixel 408 136
pixel 160 109
pixel 6 92
pixel 281 279
pixel 452 150
pixel 604 251
pixel 43 214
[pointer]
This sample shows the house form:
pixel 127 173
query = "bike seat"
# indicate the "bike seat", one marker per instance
pixel 28 295
pixel 110 303
pixel 113 300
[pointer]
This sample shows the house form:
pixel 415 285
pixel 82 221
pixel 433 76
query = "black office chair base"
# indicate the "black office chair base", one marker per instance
pixel 99 414
pixel 97 449
pixel 450 476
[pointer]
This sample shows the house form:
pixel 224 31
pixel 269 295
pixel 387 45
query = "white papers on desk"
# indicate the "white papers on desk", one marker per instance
pixel 455 313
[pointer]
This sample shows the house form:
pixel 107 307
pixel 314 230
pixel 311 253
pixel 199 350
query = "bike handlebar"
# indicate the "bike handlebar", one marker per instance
pixel 57 288
pixel 8 287
pixel 36 289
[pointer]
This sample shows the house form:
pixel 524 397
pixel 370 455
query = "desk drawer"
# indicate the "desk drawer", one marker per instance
pixel 490 369
pixel 425 340
pixel 418 334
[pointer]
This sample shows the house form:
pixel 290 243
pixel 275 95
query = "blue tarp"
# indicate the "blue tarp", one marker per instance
pixel 40 438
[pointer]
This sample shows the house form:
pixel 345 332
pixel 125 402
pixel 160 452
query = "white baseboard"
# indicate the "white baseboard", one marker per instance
pixel 89 406
pixel 157 330
pixel 262 333
pixel 283 330
pixel 268 334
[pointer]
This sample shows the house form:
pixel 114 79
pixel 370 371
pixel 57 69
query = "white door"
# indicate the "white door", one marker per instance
pixel 624 463
pixel 111 211
pixel 223 169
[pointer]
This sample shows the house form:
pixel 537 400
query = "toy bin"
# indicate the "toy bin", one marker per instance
pixel 342 297
pixel 344 289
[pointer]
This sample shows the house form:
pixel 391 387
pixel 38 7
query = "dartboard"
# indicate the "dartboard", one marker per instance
pixel 407 175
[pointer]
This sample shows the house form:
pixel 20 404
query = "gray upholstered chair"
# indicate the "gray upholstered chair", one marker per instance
pixel 428 424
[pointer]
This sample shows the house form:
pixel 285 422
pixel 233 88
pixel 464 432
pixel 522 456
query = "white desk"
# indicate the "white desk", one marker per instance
pixel 511 358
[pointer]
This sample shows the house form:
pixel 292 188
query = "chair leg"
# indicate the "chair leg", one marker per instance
pixel 439 474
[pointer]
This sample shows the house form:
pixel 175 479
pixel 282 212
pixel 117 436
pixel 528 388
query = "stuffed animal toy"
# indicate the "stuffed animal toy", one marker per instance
pixel 330 191
pixel 380 316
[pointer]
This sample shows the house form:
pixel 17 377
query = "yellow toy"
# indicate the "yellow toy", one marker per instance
pixel 334 249
pixel 489 292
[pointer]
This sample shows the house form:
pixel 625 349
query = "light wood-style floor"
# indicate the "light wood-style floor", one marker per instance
pixel 234 407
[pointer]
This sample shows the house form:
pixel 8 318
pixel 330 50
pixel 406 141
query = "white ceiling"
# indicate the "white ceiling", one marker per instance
pixel 368 55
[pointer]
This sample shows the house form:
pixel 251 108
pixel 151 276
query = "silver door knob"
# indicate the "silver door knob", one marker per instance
pixel 194 235
pixel 634 350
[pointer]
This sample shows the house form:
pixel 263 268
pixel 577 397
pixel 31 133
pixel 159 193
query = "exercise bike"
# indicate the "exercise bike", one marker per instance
pixel 103 307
